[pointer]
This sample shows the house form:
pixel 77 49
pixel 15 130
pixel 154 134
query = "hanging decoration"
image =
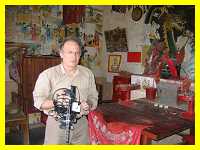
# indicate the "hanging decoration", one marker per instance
pixel 169 23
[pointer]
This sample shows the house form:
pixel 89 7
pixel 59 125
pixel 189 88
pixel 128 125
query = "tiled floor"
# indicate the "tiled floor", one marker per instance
pixel 37 138
pixel 172 140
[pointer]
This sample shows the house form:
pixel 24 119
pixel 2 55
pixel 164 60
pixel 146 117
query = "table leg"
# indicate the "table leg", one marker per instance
pixel 25 129
pixel 145 140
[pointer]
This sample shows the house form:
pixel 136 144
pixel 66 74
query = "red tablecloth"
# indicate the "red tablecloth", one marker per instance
pixel 102 132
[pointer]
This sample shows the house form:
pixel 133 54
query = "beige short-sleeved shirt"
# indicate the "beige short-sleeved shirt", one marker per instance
pixel 55 77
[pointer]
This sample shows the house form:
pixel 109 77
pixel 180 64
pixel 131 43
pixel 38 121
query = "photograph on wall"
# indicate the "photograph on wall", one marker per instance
pixel 116 40
pixel 114 62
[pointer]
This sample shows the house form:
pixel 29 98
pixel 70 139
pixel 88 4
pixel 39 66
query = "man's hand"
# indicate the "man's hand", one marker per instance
pixel 61 99
pixel 47 104
pixel 84 108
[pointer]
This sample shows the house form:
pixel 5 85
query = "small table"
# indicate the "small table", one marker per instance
pixel 161 122
pixel 21 120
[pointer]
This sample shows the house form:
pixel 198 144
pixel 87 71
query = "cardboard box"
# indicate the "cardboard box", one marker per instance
pixel 34 118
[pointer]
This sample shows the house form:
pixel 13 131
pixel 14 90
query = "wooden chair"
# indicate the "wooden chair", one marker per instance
pixel 18 118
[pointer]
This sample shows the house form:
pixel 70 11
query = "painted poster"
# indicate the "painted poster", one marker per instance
pixel 116 40
pixel 39 26
pixel 91 37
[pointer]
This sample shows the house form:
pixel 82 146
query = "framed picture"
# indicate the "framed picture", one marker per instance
pixel 114 63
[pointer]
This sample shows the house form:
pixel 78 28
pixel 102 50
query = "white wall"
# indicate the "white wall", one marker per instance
pixel 135 32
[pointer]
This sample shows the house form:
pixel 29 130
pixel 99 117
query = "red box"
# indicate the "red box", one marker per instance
pixel 121 90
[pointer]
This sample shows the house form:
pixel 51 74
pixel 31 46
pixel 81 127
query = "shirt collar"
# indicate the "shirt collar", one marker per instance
pixel 64 72
pixel 62 68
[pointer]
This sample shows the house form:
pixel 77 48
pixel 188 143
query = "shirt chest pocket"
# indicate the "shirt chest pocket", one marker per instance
pixel 82 90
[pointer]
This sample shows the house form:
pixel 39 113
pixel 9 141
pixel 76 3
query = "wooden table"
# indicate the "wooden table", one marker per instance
pixel 161 122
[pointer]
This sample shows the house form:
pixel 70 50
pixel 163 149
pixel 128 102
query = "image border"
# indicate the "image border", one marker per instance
pixel 97 2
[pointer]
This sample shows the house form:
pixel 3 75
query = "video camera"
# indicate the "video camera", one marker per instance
pixel 66 108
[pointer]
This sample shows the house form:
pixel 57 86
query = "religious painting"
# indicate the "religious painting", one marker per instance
pixel 114 63
pixel 116 40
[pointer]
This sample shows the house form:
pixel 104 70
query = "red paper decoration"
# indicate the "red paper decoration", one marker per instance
pixel 134 57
